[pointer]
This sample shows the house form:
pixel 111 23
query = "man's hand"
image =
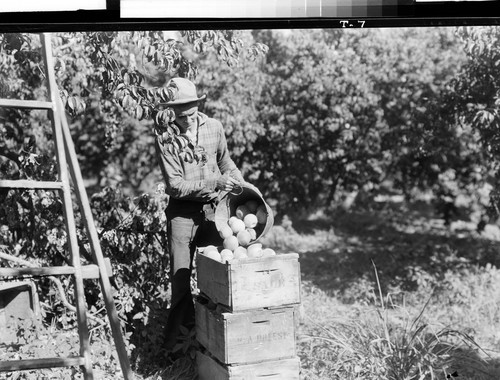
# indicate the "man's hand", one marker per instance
pixel 226 183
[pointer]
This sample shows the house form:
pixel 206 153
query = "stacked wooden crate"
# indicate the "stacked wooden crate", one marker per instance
pixel 245 318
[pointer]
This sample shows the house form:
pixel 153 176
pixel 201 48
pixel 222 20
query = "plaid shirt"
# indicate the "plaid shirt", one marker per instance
pixel 192 181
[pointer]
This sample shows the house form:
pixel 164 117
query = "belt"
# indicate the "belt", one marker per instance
pixel 189 206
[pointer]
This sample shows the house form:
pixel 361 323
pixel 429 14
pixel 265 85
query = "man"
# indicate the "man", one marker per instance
pixel 193 188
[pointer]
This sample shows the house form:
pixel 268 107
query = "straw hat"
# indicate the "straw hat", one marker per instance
pixel 186 92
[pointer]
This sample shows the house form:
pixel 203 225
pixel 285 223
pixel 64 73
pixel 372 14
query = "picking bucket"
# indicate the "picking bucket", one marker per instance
pixel 232 200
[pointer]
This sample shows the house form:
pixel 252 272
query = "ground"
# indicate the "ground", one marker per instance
pixel 387 291
pixel 389 288
pixel 448 272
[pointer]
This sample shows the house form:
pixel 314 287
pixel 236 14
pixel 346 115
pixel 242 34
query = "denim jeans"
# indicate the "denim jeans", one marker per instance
pixel 187 229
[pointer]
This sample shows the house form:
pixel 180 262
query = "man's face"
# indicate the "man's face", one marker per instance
pixel 186 116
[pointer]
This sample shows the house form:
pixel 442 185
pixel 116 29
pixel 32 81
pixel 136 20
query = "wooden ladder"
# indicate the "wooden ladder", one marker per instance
pixel 66 156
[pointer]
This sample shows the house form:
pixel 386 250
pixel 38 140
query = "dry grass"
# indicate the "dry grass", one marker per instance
pixel 441 297
pixel 387 343
pixel 433 313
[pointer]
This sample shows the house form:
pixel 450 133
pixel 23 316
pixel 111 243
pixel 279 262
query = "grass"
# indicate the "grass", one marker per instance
pixel 182 369
pixel 389 293
pixel 433 313
pixel 389 342
pixel 430 309
pixel 386 342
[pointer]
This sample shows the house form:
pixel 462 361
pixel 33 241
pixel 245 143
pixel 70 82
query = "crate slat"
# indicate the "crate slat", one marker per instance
pixel 246 337
pixel 285 369
pixel 251 284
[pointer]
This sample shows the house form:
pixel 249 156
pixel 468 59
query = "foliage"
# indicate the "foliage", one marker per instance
pixel 111 84
pixel 133 235
pixel 329 112
pixel 332 111
pixel 464 302
pixel 479 90
pixel 386 341
pixel 233 97
pixel 132 232
pixel 103 67
pixel 325 113
pixel 377 348
pixel 309 134
pixel 188 345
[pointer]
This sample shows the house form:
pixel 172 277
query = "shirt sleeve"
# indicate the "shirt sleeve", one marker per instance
pixel 176 185
pixel 224 161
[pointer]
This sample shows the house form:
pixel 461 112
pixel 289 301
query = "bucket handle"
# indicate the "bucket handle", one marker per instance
pixel 238 191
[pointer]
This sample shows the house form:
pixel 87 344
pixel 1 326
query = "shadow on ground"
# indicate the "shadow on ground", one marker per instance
pixel 403 244
pixel 468 364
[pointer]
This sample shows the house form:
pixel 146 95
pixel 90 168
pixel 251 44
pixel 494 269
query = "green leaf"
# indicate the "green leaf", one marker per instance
pixel 126 78
pixel 139 112
pixel 72 103
pixel 139 315
pixel 164 95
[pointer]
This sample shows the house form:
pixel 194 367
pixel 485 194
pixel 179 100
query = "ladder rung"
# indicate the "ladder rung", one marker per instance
pixel 29 184
pixel 32 104
pixel 90 271
pixel 44 271
pixel 19 365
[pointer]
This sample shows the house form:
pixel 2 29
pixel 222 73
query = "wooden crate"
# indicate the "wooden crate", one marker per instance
pixel 252 283
pixel 246 337
pixel 285 369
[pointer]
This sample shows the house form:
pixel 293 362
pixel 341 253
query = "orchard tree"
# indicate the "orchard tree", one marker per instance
pixel 478 98
pixel 432 149
pixel 345 111
pixel 115 69
pixel 113 88
pixel 234 97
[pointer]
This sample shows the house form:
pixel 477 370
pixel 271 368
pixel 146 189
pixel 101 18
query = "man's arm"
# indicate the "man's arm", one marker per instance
pixel 176 185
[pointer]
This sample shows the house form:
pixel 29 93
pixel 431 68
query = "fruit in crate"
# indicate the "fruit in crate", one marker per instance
pixel 244 237
pixel 212 252
pixel 231 220
pixel 225 232
pixel 266 252
pixel 226 255
pixel 237 226
pixel 254 250
pixel 250 220
pixel 230 243
pixel 253 234
pixel 240 253
pixel 209 248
